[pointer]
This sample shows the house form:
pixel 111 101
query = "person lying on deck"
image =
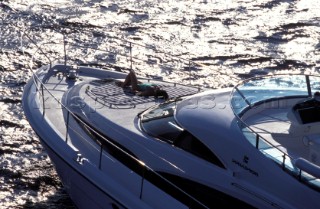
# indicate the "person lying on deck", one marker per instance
pixel 142 89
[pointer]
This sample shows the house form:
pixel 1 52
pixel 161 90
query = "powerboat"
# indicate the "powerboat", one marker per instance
pixel 255 145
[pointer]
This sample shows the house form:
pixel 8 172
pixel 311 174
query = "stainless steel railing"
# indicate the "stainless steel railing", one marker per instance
pixel 44 92
pixel 303 85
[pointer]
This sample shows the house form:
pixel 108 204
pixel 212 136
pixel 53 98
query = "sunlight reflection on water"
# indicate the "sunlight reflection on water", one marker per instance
pixel 229 39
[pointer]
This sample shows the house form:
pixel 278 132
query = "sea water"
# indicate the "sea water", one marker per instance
pixel 229 40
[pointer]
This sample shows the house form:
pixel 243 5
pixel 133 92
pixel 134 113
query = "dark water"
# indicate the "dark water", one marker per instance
pixel 229 40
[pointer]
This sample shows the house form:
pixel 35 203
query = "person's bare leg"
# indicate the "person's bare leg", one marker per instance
pixel 127 81
pixel 133 80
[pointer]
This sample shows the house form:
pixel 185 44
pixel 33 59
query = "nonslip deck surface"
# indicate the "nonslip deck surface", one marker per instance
pixel 110 93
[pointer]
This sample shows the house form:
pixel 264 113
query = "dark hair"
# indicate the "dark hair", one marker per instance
pixel 161 93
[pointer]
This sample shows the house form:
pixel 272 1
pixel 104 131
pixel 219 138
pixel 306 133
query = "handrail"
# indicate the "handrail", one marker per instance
pixel 39 48
pixel 38 81
pixel 176 62
pixel 258 136
pixel 146 167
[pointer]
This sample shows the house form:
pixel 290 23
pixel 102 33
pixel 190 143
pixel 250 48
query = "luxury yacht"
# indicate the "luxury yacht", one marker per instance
pixel 256 145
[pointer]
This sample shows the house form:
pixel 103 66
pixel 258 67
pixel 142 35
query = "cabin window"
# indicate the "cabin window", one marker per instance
pixel 160 123
pixel 190 143
pixel 207 196
pixel 111 146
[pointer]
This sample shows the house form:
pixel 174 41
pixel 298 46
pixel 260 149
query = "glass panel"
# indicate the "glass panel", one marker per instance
pixel 260 89
pixel 159 122
pixel 238 103
pixel 275 87
pixel 314 84
pixel 161 111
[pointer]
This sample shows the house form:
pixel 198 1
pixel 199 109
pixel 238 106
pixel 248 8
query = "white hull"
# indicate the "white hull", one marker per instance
pixel 110 185
pixel 202 148
pixel 83 192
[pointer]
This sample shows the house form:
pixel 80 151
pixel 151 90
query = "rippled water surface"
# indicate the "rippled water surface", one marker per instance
pixel 229 40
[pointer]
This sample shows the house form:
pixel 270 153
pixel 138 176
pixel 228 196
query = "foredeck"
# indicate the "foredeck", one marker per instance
pixel 55 94
pixel 103 95
pixel 108 93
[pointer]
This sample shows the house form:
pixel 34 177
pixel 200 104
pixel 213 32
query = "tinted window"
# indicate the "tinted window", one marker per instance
pixel 208 196
pixel 159 122
pixel 109 145
pixel 189 143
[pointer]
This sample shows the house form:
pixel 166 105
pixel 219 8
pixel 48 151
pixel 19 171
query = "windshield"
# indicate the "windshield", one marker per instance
pixel 271 87
pixel 159 122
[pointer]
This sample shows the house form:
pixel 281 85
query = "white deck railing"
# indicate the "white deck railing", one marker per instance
pixel 43 50
pixel 245 97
